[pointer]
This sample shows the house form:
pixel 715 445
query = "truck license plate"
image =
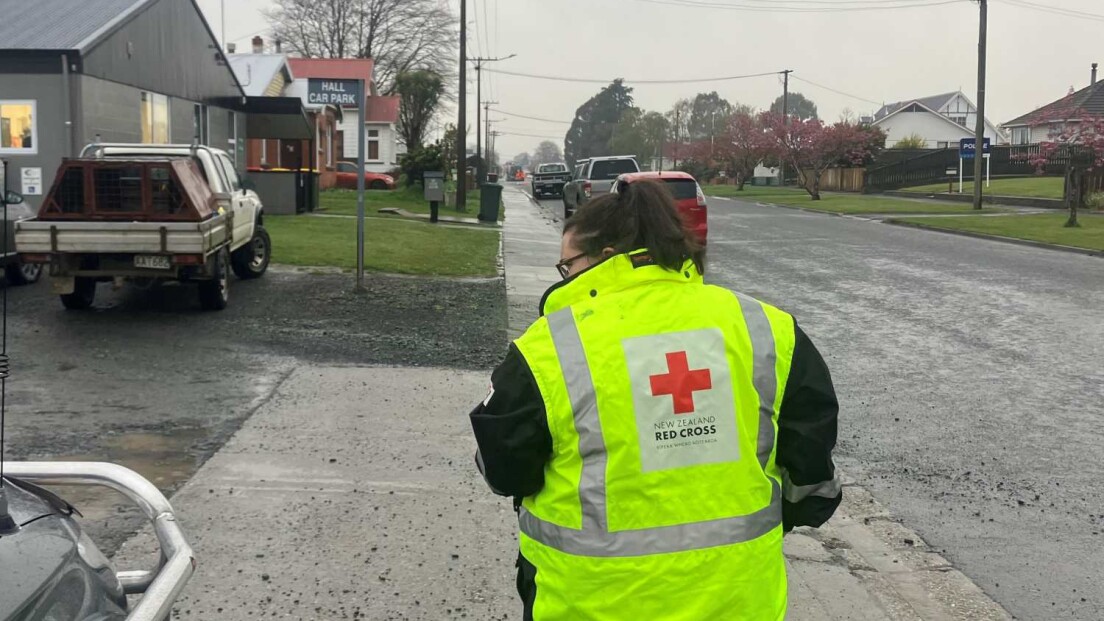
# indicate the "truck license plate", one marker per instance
pixel 152 261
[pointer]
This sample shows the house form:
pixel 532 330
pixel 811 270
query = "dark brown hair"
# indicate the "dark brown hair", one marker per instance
pixel 642 215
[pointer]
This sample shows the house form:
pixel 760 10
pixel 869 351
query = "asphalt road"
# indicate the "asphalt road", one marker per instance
pixel 149 380
pixel 971 381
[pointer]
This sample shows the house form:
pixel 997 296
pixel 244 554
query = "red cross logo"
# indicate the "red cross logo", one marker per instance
pixel 681 383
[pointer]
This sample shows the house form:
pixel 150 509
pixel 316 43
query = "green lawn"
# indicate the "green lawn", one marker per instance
pixel 1033 187
pixel 344 202
pixel 390 245
pixel 1037 227
pixel 836 202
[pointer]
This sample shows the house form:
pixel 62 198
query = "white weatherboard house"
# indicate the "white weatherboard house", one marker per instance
pixel 941 120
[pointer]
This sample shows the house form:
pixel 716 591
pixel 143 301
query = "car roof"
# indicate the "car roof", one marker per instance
pixel 663 174
pixel 609 157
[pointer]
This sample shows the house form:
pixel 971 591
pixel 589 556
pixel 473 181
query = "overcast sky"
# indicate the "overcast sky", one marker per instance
pixel 879 55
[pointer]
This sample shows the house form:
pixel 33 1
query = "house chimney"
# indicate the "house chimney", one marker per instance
pixel 279 46
pixel 231 48
pixel 258 45
pixel 1093 75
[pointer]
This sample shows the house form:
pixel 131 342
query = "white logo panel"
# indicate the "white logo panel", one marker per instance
pixel 682 398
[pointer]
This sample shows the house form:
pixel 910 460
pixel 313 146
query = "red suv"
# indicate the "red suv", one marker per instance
pixel 688 197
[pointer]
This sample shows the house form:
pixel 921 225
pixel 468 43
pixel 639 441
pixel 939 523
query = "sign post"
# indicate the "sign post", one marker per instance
pixel 967 150
pixel 347 93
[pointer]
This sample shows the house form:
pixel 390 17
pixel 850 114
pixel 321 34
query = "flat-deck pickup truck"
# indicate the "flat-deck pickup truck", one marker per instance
pixel 549 180
pixel 147 213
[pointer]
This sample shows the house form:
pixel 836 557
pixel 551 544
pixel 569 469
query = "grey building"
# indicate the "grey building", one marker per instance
pixel 72 71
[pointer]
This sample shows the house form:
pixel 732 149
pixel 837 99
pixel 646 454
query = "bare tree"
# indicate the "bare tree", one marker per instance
pixel 400 35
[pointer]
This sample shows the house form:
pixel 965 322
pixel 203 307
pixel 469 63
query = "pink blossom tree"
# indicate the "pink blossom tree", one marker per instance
pixel 742 145
pixel 1079 139
pixel 812 147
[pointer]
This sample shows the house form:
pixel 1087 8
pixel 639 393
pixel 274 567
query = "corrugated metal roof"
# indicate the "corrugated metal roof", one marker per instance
pixel 1088 101
pixel 255 72
pixel 58 24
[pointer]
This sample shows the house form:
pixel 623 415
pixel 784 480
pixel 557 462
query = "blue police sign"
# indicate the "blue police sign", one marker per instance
pixel 967 147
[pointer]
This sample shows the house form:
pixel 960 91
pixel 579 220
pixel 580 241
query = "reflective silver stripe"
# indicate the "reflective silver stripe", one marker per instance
pixel 797 493
pixel 659 540
pixel 584 407
pixel 765 375
pixel 594 538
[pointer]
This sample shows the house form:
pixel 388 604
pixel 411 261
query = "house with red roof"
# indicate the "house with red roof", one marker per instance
pixel 1038 125
pixel 381 114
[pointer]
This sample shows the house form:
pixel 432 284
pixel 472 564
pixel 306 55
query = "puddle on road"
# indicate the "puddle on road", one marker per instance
pixel 166 459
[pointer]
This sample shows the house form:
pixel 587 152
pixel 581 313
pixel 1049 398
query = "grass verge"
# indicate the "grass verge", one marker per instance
pixel 1046 228
pixel 390 245
pixel 838 202
pixel 412 199
pixel 1032 187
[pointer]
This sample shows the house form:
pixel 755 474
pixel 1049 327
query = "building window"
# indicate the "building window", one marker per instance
pixel 199 124
pixel 961 120
pixel 264 151
pixel 373 145
pixel 155 118
pixel 18 129
pixel 1021 135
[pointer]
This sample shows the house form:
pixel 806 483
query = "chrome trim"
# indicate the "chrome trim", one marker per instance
pixel 159 588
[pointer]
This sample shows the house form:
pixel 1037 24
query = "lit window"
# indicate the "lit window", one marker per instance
pixel 155 118
pixel 18 131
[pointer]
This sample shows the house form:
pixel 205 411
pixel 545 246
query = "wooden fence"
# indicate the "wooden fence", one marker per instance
pixel 839 179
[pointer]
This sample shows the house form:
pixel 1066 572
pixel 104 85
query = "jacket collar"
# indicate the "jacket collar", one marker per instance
pixel 617 273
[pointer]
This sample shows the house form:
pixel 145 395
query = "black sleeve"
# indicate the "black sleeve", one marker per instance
pixel 806 436
pixel 512 431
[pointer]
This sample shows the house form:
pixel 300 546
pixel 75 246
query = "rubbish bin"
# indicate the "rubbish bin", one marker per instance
pixel 490 199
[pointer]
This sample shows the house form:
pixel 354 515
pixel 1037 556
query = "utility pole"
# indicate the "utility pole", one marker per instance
pixel 462 120
pixel 979 133
pixel 222 5
pixel 479 62
pixel 491 141
pixel 487 111
pixel 678 126
pixel 785 121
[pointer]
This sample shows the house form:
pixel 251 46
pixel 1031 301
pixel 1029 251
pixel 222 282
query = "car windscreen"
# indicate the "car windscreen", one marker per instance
pixel 556 168
pixel 611 169
pixel 682 188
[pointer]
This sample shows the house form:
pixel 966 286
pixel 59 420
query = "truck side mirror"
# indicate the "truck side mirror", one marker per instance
pixel 248 185
pixel 12 198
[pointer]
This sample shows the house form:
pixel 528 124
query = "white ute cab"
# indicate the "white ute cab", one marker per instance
pixel 147 213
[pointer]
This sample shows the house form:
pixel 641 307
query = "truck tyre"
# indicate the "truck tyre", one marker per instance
pixel 567 209
pixel 19 273
pixel 214 294
pixel 251 260
pixel 83 295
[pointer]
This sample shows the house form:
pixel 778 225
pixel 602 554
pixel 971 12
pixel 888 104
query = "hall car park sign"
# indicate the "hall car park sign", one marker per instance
pixel 322 91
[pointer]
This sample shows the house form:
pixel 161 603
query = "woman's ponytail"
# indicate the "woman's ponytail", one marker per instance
pixel 641 215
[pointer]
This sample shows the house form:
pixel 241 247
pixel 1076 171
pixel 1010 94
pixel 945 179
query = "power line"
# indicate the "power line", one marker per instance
pixel 597 81
pixel 531 136
pixel 838 92
pixel 1054 10
pixel 530 118
pixel 801 8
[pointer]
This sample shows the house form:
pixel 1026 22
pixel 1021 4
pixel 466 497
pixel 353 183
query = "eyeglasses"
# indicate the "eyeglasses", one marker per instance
pixel 564 267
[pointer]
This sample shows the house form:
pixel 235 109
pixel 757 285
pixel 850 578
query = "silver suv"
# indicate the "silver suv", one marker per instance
pixel 595 175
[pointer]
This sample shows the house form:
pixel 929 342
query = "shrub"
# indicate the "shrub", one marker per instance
pixel 416 162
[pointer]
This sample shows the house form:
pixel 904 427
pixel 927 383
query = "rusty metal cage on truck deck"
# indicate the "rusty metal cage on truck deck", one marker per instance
pixel 141 189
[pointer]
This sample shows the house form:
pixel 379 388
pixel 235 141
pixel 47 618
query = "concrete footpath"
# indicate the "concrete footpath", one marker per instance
pixel 352 494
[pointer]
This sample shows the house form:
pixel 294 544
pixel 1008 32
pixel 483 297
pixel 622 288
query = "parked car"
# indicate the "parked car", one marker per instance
pixel 16 272
pixel 147 213
pixel 549 180
pixel 595 176
pixel 688 197
pixel 53 570
pixel 347 178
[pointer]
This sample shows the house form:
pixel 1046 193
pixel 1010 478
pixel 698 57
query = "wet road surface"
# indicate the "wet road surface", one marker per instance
pixel 148 380
pixel 971 380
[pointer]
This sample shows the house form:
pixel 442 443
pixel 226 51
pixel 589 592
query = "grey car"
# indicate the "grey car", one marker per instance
pixel 594 176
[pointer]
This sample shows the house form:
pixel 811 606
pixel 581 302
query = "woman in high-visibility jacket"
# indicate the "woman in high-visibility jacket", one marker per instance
pixel 659 435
